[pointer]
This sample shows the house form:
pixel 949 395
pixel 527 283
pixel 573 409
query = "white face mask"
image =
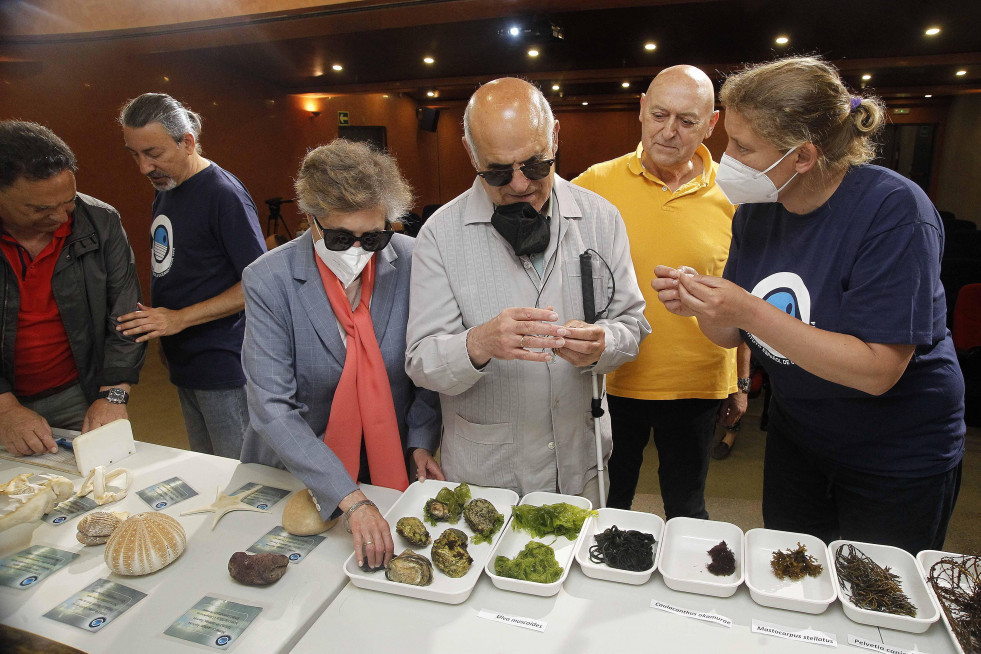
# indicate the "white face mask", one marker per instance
pixel 743 184
pixel 346 264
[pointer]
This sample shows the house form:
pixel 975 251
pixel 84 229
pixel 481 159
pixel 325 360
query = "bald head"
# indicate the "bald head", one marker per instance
pixel 507 105
pixel 676 114
pixel 690 79
pixel 506 125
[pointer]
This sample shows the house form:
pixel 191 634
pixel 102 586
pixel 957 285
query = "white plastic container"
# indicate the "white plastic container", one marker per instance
pixel 925 561
pixel 512 542
pixel 683 556
pixel 900 562
pixel 807 595
pixel 626 520
pixel 442 589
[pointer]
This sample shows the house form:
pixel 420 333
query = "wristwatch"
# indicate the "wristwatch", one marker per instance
pixel 114 396
pixel 744 384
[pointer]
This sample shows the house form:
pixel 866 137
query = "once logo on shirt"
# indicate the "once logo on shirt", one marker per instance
pixel 787 292
pixel 161 245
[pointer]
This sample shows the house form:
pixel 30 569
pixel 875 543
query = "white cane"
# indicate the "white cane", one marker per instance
pixel 589 311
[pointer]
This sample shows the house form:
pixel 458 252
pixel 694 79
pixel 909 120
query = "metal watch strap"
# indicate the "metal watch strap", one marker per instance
pixel 744 383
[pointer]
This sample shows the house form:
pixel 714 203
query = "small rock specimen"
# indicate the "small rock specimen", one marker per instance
pixel 257 569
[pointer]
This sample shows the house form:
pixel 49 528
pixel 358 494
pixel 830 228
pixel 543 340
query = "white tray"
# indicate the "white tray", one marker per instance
pixel 443 589
pixel 511 544
pixel 807 595
pixel 683 556
pixel 625 520
pixel 925 561
pixel 902 563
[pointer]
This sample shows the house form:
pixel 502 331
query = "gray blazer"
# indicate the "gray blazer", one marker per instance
pixel 293 356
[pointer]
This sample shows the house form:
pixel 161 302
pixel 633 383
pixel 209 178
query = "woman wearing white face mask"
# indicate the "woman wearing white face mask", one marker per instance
pixel 324 349
pixel 833 280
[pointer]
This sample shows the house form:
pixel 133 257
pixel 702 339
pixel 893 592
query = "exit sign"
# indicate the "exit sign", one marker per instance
pixel 343 118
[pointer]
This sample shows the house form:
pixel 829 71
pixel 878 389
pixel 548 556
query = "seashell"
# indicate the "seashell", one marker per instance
pixel 413 531
pixel 450 555
pixel 145 543
pixel 410 568
pixel 257 569
pixel 302 518
pixel 95 528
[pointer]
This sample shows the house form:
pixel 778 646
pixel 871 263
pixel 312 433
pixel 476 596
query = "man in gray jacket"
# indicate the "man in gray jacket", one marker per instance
pixel 66 273
pixel 496 306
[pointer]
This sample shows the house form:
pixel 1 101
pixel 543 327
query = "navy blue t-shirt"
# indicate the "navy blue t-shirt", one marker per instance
pixel 204 233
pixel 866 263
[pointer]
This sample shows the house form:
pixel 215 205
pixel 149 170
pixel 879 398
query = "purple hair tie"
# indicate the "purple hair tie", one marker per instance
pixel 854 104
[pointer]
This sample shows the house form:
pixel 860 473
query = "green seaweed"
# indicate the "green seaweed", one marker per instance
pixel 560 519
pixel 536 562
pixel 454 501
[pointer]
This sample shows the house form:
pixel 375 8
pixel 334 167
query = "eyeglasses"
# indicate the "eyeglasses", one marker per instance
pixel 534 171
pixel 341 239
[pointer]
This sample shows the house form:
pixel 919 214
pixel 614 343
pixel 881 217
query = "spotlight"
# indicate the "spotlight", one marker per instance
pixel 650 46
pixel 337 67
pixel 928 95
pixel 782 40
pixel 538 29
pixel 866 77
pixel 555 87
pixel 961 73
pixel 533 53
pixel 933 31
pixel 514 31
pixel 625 85
pixel 428 60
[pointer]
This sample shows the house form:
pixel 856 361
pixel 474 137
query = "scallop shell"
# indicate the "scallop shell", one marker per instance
pixel 145 543
pixel 95 528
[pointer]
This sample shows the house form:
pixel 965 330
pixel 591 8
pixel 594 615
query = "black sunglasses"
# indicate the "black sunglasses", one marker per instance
pixel 534 171
pixel 341 239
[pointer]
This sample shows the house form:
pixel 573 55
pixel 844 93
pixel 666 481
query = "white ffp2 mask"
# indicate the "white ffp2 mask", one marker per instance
pixel 346 264
pixel 743 184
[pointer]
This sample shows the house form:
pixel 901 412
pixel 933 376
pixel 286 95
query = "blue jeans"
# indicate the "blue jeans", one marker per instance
pixel 215 420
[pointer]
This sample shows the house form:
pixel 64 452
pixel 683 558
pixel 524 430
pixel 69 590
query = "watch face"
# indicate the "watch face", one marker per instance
pixel 117 396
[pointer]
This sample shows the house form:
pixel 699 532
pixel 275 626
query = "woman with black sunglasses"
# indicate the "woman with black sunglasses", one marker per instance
pixel 324 350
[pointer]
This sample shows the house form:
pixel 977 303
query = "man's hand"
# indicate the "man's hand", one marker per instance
pixel 513 333
pixel 584 345
pixel 426 466
pixel 733 408
pixel 665 282
pixel 102 412
pixel 23 431
pixel 150 322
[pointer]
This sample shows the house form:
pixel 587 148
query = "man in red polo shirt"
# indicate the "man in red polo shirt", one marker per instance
pixel 66 273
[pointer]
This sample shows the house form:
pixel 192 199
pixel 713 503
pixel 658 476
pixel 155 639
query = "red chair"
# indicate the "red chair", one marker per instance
pixel 967 318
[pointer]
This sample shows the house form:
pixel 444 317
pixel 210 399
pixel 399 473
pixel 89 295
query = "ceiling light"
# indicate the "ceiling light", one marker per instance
pixel 928 95
pixel 933 31
pixel 514 31
pixel 555 87
pixel 650 45
pixel 782 40
pixel 533 53
pixel 337 67
pixel 866 77
pixel 625 85
pixel 431 94
pixel 428 60
pixel 961 73
pixel 585 103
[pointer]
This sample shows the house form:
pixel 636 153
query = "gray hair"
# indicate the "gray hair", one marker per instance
pixel 539 102
pixel 161 108
pixel 346 176
pixel 31 151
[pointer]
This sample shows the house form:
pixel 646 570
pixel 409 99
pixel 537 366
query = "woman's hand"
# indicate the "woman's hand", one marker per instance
pixel 370 532
pixel 426 466
pixel 716 302
pixel 665 283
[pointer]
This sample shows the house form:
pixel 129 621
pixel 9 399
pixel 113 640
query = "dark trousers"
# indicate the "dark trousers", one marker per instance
pixel 683 434
pixel 806 493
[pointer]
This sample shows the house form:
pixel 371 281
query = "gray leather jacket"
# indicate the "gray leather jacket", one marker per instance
pixel 94 279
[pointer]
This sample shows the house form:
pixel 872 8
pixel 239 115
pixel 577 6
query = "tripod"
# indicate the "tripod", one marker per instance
pixel 275 216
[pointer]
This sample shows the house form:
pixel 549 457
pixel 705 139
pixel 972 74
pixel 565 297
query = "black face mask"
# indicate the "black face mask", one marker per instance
pixel 522 226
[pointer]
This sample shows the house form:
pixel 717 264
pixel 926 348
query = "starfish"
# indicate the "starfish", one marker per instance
pixel 225 503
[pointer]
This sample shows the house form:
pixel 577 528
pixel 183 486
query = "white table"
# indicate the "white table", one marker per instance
pixel 587 615
pixel 289 606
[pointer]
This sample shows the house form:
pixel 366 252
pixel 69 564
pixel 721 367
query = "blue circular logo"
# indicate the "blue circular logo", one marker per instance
pixel 59 520
pixel 97 622
pixel 223 640
pixel 295 556
pixel 29 580
pixel 160 505
pixel 262 506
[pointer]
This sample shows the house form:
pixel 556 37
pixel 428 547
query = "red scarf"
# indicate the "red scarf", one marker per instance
pixel 363 399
